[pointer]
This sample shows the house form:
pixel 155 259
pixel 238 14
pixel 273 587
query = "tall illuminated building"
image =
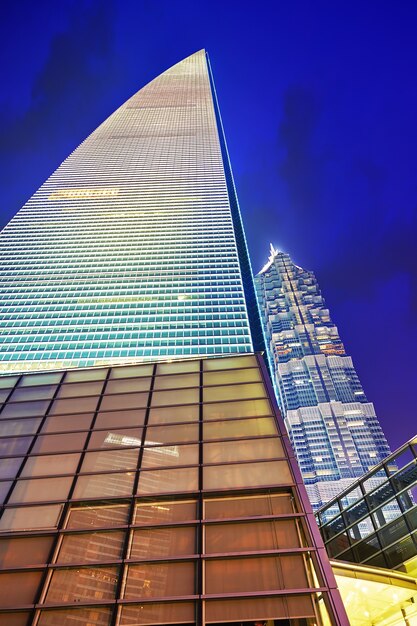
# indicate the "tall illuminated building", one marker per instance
pixel 133 249
pixel 332 426
pixel 157 486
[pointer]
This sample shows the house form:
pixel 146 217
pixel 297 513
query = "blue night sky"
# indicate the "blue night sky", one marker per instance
pixel 319 103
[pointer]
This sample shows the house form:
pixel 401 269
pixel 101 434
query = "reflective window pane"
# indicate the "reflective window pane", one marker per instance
pixel 240 428
pixel 33 393
pixel 116 438
pixel 162 456
pixel 160 613
pixel 222 452
pixel 97 516
pixel 248 506
pixel 183 396
pixel 51 464
pixel 31 518
pixel 104 485
pixel 167 434
pixel 251 536
pixel 150 543
pixel 168 481
pixel 10 446
pixel 165 511
pixel 247 475
pixel 233 376
pixel 90 547
pixel 85 583
pixel 90 616
pixel 131 371
pixel 178 367
pixel 60 443
pixel 157 580
pixel 176 382
pixel 41 489
pixel 124 401
pixel 76 376
pixel 24 409
pixel 233 392
pixel 229 363
pixel 47 378
pixel 19 588
pixel 61 423
pixel 25 551
pixel 74 405
pixel 165 415
pixel 78 390
pixel 128 385
pixel 19 427
pixel 109 460
pixel 229 410
pixel 120 418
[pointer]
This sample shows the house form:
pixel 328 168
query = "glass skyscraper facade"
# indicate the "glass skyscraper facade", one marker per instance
pixel 146 477
pixel 333 428
pixel 133 249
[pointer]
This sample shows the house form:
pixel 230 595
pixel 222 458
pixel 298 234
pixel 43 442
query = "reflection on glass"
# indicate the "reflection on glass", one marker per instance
pixel 168 481
pixel 51 464
pixel 233 376
pixel 246 450
pixel 251 536
pixel 108 460
pixel 150 543
pixel 96 516
pixel 162 456
pixel 258 427
pixel 84 583
pixel 165 511
pixel 41 489
pixel 157 580
pixel 31 518
pixel 104 485
pixel 89 547
pixel 161 613
pixel 18 588
pixel 16 552
pixel 230 410
pixel 91 616
pixel 119 419
pixel 249 506
pixel 164 415
pixel 234 392
pixel 246 475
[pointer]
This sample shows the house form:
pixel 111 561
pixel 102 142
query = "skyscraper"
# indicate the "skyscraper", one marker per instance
pixel 134 248
pixel 157 492
pixel 333 428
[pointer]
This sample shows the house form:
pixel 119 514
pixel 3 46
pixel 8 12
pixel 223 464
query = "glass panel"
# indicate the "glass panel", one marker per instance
pixel 249 506
pixel 222 452
pixel 120 438
pixel 233 392
pixel 60 423
pixel 31 518
pixel 124 401
pixel 400 552
pixel 96 516
pixel 259 610
pixel 131 371
pixel 51 464
pixel 12 446
pixel 104 485
pixel 19 427
pixel 109 460
pixel 240 428
pixel 17 618
pixel 48 378
pixel 4 490
pixel 228 410
pixel 6 382
pixel 183 396
pixel 24 409
pixel 338 545
pixel 351 497
pixel 178 367
pixel 74 405
pixel 168 481
pixel 120 418
pixel 128 385
pixel 91 616
pixel 89 547
pixel 33 393
pixel 174 414
pixel 405 478
pixel 19 588
pixel 165 511
pixel 255 574
pixel 76 585
pixel 401 460
pixel 251 536
pixel 356 512
pixel 77 390
pixel 162 456
pixel 76 376
pixel 153 543
pixel 25 551
pixel 374 481
pixel 157 580
pixel 392 533
pixel 366 548
pixel 60 443
pixel 168 434
pixel 381 495
pixel 247 475
pixel 333 528
pixel 41 489
pixel 176 382
pixel 161 613
pixel 387 514
pixel 361 530
pixel 252 375
pixel 10 467
pixel 229 363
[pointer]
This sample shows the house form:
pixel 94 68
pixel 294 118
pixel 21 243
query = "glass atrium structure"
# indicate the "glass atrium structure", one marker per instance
pixel 134 248
pixel 333 428
pixel 163 493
